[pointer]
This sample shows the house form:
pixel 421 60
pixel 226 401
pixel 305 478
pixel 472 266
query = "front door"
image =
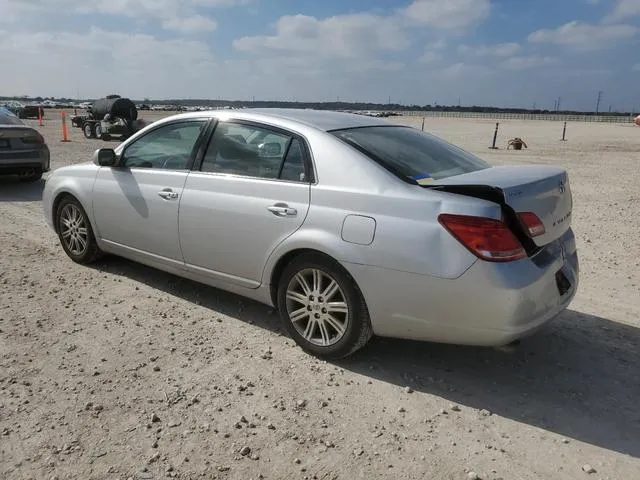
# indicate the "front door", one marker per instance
pixel 250 193
pixel 136 204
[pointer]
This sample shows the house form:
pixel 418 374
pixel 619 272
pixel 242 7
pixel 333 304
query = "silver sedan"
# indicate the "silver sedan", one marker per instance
pixel 351 226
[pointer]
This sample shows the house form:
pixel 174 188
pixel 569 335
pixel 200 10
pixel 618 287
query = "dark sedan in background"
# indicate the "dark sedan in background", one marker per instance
pixel 22 110
pixel 23 151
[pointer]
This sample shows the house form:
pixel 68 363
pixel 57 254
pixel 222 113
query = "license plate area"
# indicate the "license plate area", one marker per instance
pixel 4 143
pixel 563 283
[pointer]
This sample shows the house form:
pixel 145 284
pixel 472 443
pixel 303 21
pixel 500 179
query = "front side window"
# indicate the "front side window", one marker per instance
pixel 410 153
pixel 254 151
pixel 168 147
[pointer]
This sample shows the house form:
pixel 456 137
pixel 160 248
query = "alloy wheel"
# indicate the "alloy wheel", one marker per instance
pixel 317 307
pixel 73 229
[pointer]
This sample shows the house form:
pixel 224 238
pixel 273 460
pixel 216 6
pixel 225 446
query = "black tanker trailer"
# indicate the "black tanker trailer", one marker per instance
pixel 108 117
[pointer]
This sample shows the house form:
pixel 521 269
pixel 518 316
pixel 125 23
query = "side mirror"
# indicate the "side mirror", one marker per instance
pixel 106 157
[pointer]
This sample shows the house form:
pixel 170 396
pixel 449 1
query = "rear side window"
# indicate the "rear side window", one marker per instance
pixel 255 151
pixel 293 168
pixel 410 153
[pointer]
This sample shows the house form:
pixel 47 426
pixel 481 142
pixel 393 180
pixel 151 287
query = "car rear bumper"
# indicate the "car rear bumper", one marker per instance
pixel 20 162
pixel 489 305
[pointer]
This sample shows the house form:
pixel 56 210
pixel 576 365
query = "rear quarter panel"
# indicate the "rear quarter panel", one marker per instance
pixel 407 234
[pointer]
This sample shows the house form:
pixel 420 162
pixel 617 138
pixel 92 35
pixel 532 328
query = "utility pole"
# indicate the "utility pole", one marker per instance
pixel 598 101
pixel 558 104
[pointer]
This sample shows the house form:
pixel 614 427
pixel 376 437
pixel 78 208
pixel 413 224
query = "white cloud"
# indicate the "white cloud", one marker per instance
pixel 525 63
pixel 464 71
pixel 429 57
pixel 364 35
pixel 164 9
pixel 498 50
pixel 447 13
pixel 623 9
pixel 221 3
pixel 138 65
pixel 341 36
pixel 584 36
pixel 636 67
pixel 437 45
pixel 190 24
pixel 182 15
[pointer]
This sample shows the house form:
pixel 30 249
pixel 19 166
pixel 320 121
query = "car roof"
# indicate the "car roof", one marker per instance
pixel 325 120
pixel 322 119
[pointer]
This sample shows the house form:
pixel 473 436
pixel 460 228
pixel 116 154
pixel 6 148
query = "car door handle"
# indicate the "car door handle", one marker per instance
pixel 282 210
pixel 168 194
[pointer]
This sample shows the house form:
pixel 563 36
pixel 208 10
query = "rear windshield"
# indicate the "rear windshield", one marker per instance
pixel 410 153
pixel 8 119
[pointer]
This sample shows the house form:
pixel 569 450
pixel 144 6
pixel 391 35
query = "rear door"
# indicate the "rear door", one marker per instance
pixel 250 192
pixel 136 204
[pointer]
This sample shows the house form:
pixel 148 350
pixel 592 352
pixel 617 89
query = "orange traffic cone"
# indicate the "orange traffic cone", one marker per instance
pixel 65 132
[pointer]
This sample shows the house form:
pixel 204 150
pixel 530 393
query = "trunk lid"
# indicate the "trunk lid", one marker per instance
pixel 19 137
pixel 540 189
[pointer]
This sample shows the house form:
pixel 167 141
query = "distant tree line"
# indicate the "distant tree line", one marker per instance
pixel 390 107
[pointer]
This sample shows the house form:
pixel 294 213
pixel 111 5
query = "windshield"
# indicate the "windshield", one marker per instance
pixel 8 118
pixel 410 153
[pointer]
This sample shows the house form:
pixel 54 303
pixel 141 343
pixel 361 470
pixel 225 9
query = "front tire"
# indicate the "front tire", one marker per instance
pixel 75 232
pixel 322 308
pixel 98 130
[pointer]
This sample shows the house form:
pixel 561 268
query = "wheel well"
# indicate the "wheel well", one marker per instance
pixel 276 273
pixel 56 202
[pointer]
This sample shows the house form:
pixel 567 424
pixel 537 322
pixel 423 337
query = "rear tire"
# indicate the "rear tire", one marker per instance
pixel 322 307
pixel 87 129
pixel 98 131
pixel 75 232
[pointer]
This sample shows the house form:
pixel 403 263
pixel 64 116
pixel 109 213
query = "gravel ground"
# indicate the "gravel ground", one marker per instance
pixel 119 371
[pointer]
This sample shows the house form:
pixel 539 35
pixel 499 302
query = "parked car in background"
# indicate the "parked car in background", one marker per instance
pixel 22 110
pixel 349 225
pixel 23 150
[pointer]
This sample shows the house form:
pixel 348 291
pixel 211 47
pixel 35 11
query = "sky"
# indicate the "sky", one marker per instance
pixel 514 53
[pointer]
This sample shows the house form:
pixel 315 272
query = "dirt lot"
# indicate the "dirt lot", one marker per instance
pixel 119 371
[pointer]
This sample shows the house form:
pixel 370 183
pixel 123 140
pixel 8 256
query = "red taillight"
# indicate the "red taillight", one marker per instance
pixel 532 224
pixel 34 138
pixel 487 238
